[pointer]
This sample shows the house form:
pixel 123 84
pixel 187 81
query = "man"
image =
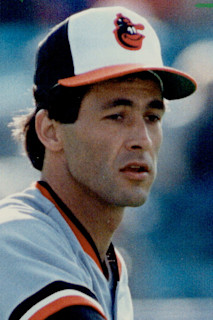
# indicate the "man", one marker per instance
pixel 95 135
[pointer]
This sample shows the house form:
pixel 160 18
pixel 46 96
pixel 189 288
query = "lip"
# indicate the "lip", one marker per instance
pixel 137 171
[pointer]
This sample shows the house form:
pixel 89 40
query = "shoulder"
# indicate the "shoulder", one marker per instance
pixel 24 217
pixel 35 251
pixel 32 228
pixel 27 202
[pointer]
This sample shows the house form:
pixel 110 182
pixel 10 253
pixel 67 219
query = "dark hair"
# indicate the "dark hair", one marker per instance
pixel 62 104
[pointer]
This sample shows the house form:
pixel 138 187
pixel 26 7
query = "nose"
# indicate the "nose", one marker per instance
pixel 139 136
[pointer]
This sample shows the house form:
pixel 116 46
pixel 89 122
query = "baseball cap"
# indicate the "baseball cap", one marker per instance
pixel 99 44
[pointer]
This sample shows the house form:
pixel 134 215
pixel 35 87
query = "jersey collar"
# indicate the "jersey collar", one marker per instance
pixel 80 232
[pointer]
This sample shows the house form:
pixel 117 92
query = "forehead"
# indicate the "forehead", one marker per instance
pixel 133 87
pixel 128 92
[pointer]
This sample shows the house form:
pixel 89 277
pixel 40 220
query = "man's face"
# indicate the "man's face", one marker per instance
pixel 111 151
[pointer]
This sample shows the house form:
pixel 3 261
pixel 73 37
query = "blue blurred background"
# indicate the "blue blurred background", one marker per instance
pixel 167 243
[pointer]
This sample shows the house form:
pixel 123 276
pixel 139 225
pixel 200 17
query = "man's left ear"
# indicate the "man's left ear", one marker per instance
pixel 48 131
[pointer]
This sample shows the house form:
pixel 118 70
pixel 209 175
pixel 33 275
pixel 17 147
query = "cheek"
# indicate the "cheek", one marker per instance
pixel 157 139
pixel 86 151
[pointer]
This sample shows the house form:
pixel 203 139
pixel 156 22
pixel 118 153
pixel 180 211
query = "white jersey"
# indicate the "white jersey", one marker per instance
pixel 48 261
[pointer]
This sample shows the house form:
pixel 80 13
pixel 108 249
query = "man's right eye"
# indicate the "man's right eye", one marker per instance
pixel 115 116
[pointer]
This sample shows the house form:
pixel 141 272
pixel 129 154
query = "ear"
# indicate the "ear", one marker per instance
pixel 48 131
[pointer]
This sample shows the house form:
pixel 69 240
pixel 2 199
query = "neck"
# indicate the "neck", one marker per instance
pixel 98 217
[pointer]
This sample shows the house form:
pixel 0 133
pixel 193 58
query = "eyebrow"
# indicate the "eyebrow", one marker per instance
pixel 157 104
pixel 154 104
pixel 122 102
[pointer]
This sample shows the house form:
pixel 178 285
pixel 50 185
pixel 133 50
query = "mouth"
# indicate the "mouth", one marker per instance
pixel 132 37
pixel 136 171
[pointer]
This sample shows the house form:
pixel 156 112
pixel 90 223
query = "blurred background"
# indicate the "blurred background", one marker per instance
pixel 168 242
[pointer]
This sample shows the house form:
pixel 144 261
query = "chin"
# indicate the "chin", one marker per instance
pixel 138 198
pixel 133 201
pixel 137 203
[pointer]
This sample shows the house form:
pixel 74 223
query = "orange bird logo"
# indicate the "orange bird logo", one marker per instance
pixel 126 33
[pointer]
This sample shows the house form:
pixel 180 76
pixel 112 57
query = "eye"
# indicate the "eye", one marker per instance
pixel 116 116
pixel 153 118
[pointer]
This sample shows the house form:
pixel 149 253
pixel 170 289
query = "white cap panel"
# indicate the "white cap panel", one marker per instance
pixel 94 45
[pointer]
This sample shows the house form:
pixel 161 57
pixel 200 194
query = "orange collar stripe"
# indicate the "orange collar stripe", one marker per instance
pixel 83 241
